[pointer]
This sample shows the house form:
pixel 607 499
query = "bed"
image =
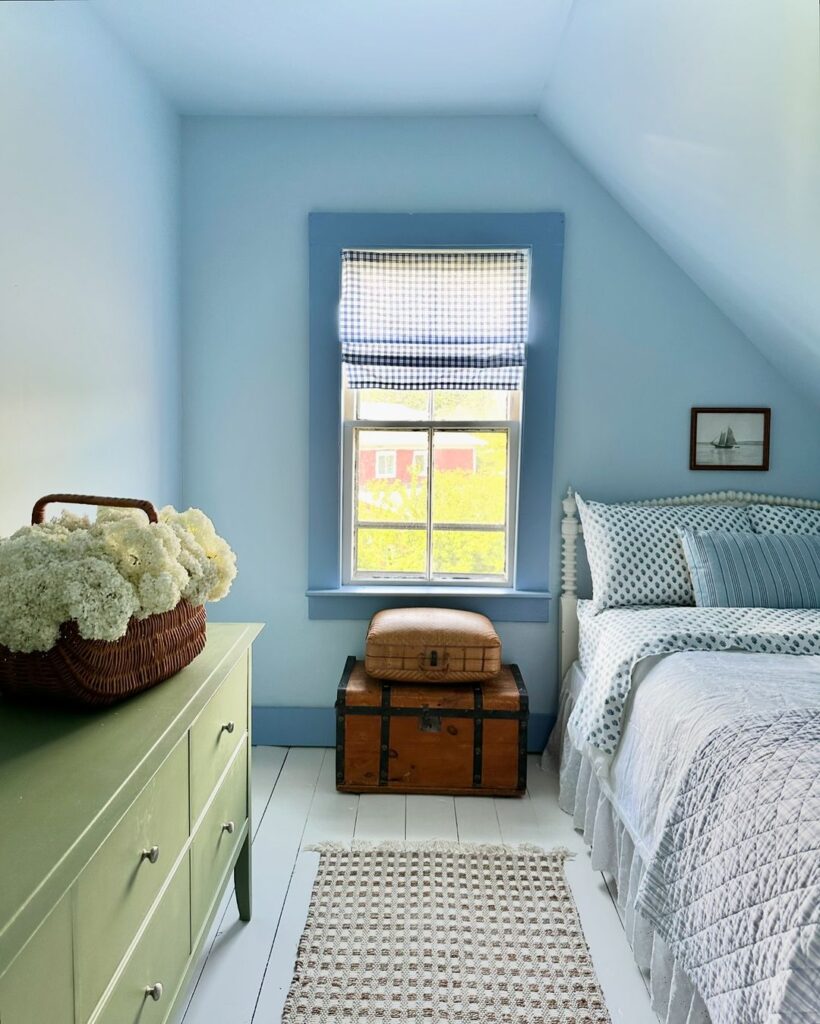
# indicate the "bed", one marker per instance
pixel 689 748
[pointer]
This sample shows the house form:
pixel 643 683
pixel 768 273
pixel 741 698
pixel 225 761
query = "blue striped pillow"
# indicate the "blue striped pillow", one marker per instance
pixel 753 570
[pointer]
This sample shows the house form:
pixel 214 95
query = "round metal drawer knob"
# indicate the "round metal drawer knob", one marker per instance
pixel 154 991
pixel 229 827
pixel 229 727
pixel 152 856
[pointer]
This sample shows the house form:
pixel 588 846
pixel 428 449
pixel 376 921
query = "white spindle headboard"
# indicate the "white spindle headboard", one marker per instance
pixel 571 531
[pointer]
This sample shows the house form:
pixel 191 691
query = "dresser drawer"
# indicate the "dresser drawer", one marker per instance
pixel 158 961
pixel 39 985
pixel 117 888
pixel 216 839
pixel 216 734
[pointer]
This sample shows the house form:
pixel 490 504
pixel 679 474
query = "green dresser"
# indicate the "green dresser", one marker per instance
pixel 119 830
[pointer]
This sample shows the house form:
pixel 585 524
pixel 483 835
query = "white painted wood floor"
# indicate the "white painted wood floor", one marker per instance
pixel 245 969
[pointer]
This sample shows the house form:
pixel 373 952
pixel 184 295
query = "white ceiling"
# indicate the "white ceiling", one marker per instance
pixel 343 56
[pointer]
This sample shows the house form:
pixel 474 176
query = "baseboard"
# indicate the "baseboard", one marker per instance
pixel 316 727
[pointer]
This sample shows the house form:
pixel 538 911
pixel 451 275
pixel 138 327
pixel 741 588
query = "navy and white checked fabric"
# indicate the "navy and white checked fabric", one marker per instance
pixel 418 319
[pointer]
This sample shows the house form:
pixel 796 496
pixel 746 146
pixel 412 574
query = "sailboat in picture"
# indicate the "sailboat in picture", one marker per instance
pixel 726 439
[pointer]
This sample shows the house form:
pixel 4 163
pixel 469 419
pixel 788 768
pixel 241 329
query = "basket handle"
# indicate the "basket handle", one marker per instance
pixel 38 513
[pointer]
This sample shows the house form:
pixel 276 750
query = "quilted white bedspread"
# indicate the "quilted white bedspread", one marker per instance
pixel 716 775
pixel 677 701
pixel 733 886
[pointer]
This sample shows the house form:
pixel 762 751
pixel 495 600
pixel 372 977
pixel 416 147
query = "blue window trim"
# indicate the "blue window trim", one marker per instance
pixel 543 234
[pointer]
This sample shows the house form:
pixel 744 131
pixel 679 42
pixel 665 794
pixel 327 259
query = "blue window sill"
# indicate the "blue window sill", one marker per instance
pixel 502 604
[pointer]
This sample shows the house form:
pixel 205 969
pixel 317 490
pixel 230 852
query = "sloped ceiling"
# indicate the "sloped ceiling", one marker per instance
pixel 346 57
pixel 703 119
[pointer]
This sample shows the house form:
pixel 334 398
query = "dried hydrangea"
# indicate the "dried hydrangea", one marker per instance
pixel 207 558
pixel 101 574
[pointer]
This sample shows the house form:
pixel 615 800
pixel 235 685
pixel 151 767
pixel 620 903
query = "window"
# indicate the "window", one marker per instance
pixel 385 464
pixel 404 521
pixel 430 473
pixel 418 466
pixel 405 403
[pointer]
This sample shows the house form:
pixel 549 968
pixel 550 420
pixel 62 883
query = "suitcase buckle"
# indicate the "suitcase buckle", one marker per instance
pixel 432 662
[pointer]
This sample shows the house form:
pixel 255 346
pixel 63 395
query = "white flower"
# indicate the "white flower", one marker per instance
pixel 210 563
pixel 157 593
pixel 100 575
pixel 99 600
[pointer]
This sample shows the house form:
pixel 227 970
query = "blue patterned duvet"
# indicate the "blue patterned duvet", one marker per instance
pixel 614 641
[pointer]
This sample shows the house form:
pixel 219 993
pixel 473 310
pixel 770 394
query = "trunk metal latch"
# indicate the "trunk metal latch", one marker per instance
pixel 430 721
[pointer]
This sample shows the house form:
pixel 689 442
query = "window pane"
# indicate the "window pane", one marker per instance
pixel 470 405
pixel 470 477
pixel 392 405
pixel 385 550
pixel 392 476
pixel 459 552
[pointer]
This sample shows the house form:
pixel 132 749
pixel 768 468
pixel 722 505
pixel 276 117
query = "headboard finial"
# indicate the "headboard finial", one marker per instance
pixel 570 529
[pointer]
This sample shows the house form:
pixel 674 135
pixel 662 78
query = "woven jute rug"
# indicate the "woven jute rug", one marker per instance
pixel 442 932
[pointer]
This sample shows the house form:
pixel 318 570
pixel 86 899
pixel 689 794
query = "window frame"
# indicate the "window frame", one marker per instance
pixel 329 233
pixel 352 422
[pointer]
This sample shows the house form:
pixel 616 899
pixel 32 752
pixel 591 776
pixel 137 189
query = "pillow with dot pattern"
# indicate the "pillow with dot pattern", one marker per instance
pixel 784 519
pixel 635 553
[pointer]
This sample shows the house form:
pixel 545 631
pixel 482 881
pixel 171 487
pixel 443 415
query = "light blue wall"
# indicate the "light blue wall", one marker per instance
pixel 89 377
pixel 640 344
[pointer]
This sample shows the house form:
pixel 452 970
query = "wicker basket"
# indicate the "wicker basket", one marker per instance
pixel 97 672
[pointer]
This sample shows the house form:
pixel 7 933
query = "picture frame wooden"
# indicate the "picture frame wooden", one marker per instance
pixel 730 438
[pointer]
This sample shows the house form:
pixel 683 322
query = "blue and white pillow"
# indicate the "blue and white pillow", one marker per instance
pixel 635 554
pixel 784 519
pixel 753 570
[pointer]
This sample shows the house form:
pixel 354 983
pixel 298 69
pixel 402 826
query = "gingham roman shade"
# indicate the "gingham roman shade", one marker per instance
pixel 417 319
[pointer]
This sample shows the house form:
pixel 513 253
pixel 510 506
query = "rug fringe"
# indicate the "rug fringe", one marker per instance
pixel 439 846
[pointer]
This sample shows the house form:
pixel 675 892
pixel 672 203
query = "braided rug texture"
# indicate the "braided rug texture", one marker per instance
pixel 444 933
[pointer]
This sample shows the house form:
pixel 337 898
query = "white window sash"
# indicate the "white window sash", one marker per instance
pixel 349 495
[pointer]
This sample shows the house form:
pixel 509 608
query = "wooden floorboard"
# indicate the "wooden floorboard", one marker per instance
pixel 516 819
pixel 431 817
pixel 381 817
pixel 247 969
pixel 332 817
pixel 279 972
pixel 232 977
pixel 266 765
pixel 621 981
pixel 554 828
pixel 476 820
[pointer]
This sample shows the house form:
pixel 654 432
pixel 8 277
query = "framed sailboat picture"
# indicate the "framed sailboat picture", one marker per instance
pixel 730 438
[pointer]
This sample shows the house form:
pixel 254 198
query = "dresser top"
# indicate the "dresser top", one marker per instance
pixel 66 777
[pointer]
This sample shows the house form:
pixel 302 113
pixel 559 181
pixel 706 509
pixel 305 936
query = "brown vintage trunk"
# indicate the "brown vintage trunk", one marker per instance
pixel 418 738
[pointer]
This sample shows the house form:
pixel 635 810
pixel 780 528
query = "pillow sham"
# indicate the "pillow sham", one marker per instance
pixel 784 519
pixel 635 554
pixel 753 570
